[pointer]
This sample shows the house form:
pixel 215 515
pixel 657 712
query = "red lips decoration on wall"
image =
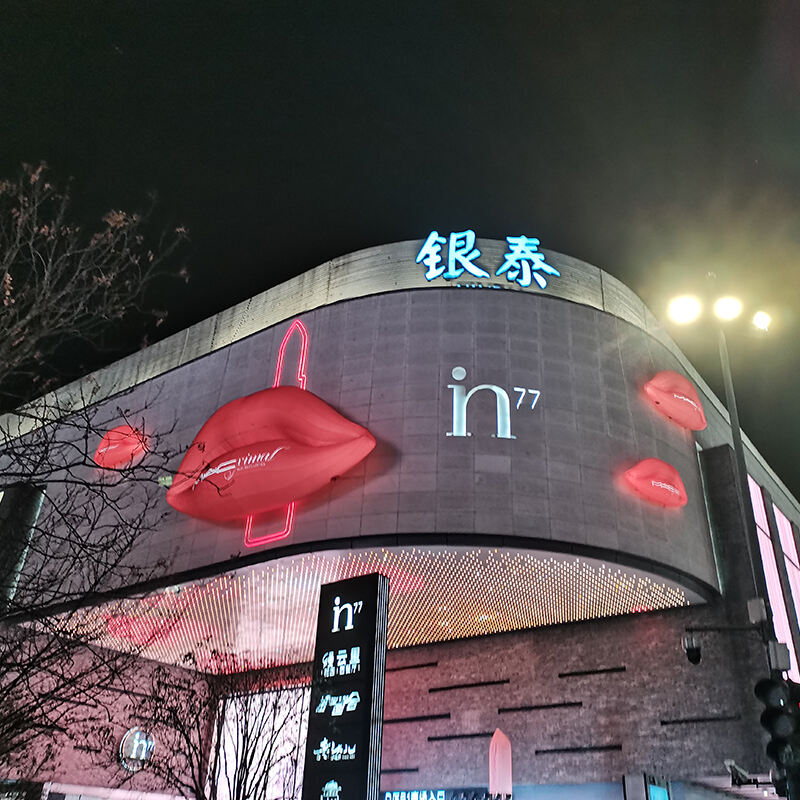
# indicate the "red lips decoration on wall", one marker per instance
pixel 676 398
pixel 263 451
pixel 120 447
pixel 657 482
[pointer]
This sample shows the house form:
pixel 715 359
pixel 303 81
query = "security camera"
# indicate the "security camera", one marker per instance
pixel 739 776
pixel 691 647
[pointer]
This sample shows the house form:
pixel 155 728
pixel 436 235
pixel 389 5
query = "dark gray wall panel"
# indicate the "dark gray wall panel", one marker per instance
pixel 386 362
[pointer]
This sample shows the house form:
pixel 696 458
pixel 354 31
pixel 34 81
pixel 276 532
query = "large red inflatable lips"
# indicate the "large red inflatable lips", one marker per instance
pixel 119 447
pixel 657 482
pixel 676 398
pixel 263 451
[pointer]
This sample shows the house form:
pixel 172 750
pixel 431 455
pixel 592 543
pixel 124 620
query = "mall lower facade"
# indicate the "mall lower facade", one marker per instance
pixel 544 478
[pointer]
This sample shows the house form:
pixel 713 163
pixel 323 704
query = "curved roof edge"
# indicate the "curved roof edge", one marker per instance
pixel 377 270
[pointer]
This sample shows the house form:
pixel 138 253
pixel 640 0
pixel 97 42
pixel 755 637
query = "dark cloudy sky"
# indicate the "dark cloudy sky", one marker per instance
pixel 658 140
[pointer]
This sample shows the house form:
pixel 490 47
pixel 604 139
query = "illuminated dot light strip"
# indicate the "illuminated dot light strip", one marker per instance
pixel 264 616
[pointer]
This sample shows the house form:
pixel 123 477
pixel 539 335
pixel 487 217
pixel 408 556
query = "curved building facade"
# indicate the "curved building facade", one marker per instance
pixel 519 460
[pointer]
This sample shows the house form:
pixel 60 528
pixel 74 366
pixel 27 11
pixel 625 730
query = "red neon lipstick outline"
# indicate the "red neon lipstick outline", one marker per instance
pixel 302 379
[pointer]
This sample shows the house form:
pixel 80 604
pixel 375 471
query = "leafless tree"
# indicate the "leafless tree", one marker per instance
pixel 69 532
pixel 63 284
pixel 237 736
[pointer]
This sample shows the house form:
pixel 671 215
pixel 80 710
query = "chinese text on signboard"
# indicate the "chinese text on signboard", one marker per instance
pixel 343 748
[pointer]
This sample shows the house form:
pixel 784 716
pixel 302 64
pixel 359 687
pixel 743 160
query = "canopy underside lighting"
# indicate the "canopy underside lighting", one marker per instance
pixel 264 615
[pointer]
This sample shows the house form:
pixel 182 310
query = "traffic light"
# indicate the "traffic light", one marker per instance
pixel 781 718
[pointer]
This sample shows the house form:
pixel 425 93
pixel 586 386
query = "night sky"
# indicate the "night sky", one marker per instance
pixel 657 140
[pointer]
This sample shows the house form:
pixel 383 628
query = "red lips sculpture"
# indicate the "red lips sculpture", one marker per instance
pixel 120 447
pixel 262 452
pixel 657 482
pixel 676 398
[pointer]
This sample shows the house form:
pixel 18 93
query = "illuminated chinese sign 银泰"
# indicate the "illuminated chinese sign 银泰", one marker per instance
pixel 523 262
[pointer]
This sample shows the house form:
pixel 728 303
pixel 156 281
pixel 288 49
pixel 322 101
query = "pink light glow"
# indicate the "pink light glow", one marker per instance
pixel 780 619
pixel 302 379
pixel 787 537
pixel 790 555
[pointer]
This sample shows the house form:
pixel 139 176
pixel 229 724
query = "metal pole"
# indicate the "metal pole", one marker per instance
pixel 740 468
pixel 792 784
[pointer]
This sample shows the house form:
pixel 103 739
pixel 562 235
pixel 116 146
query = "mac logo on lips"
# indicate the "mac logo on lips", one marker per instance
pixel 676 398
pixel 263 452
pixel 657 482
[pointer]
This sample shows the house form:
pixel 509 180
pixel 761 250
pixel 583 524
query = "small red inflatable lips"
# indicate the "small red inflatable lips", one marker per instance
pixel 120 447
pixel 676 398
pixel 657 482
pixel 263 451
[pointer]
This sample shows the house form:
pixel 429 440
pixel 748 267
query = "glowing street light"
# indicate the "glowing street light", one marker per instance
pixel 684 310
pixel 762 320
pixel 727 308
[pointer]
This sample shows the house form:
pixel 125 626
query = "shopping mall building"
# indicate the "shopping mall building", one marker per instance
pixel 513 439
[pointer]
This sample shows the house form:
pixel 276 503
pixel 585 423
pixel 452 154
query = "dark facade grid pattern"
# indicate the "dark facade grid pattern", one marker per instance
pixel 385 362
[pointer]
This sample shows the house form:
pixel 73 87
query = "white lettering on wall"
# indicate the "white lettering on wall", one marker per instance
pixel 350 609
pixel 461 398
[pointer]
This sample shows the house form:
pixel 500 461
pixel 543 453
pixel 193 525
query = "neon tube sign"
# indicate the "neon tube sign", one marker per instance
pixel 302 379
pixel 523 263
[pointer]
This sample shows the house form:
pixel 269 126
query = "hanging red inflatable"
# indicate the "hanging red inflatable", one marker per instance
pixel 676 398
pixel 657 482
pixel 120 447
pixel 262 452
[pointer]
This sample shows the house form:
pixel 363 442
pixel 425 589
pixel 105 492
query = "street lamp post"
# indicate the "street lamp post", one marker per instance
pixel 687 309
pixel 684 310
pixel 739 465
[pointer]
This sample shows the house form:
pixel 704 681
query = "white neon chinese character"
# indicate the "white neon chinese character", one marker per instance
pixel 355 660
pixel 328 669
pixel 461 255
pixel 331 791
pixel 414 796
pixel 352 701
pixel 462 252
pixel 323 751
pixel 430 255
pixel 336 752
pixel 523 261
pixel 350 751
pixel 323 704
pixel 341 662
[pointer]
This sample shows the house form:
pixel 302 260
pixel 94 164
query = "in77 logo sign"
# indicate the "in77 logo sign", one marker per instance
pixel 461 398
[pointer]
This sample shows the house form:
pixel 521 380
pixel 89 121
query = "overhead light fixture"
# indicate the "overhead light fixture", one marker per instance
pixel 727 308
pixel 762 320
pixel 684 309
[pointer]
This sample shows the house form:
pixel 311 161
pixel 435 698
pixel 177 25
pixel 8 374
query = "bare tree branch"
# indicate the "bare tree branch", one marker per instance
pixel 68 529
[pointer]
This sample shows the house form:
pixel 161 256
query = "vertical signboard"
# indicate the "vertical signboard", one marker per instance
pixel 343 748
